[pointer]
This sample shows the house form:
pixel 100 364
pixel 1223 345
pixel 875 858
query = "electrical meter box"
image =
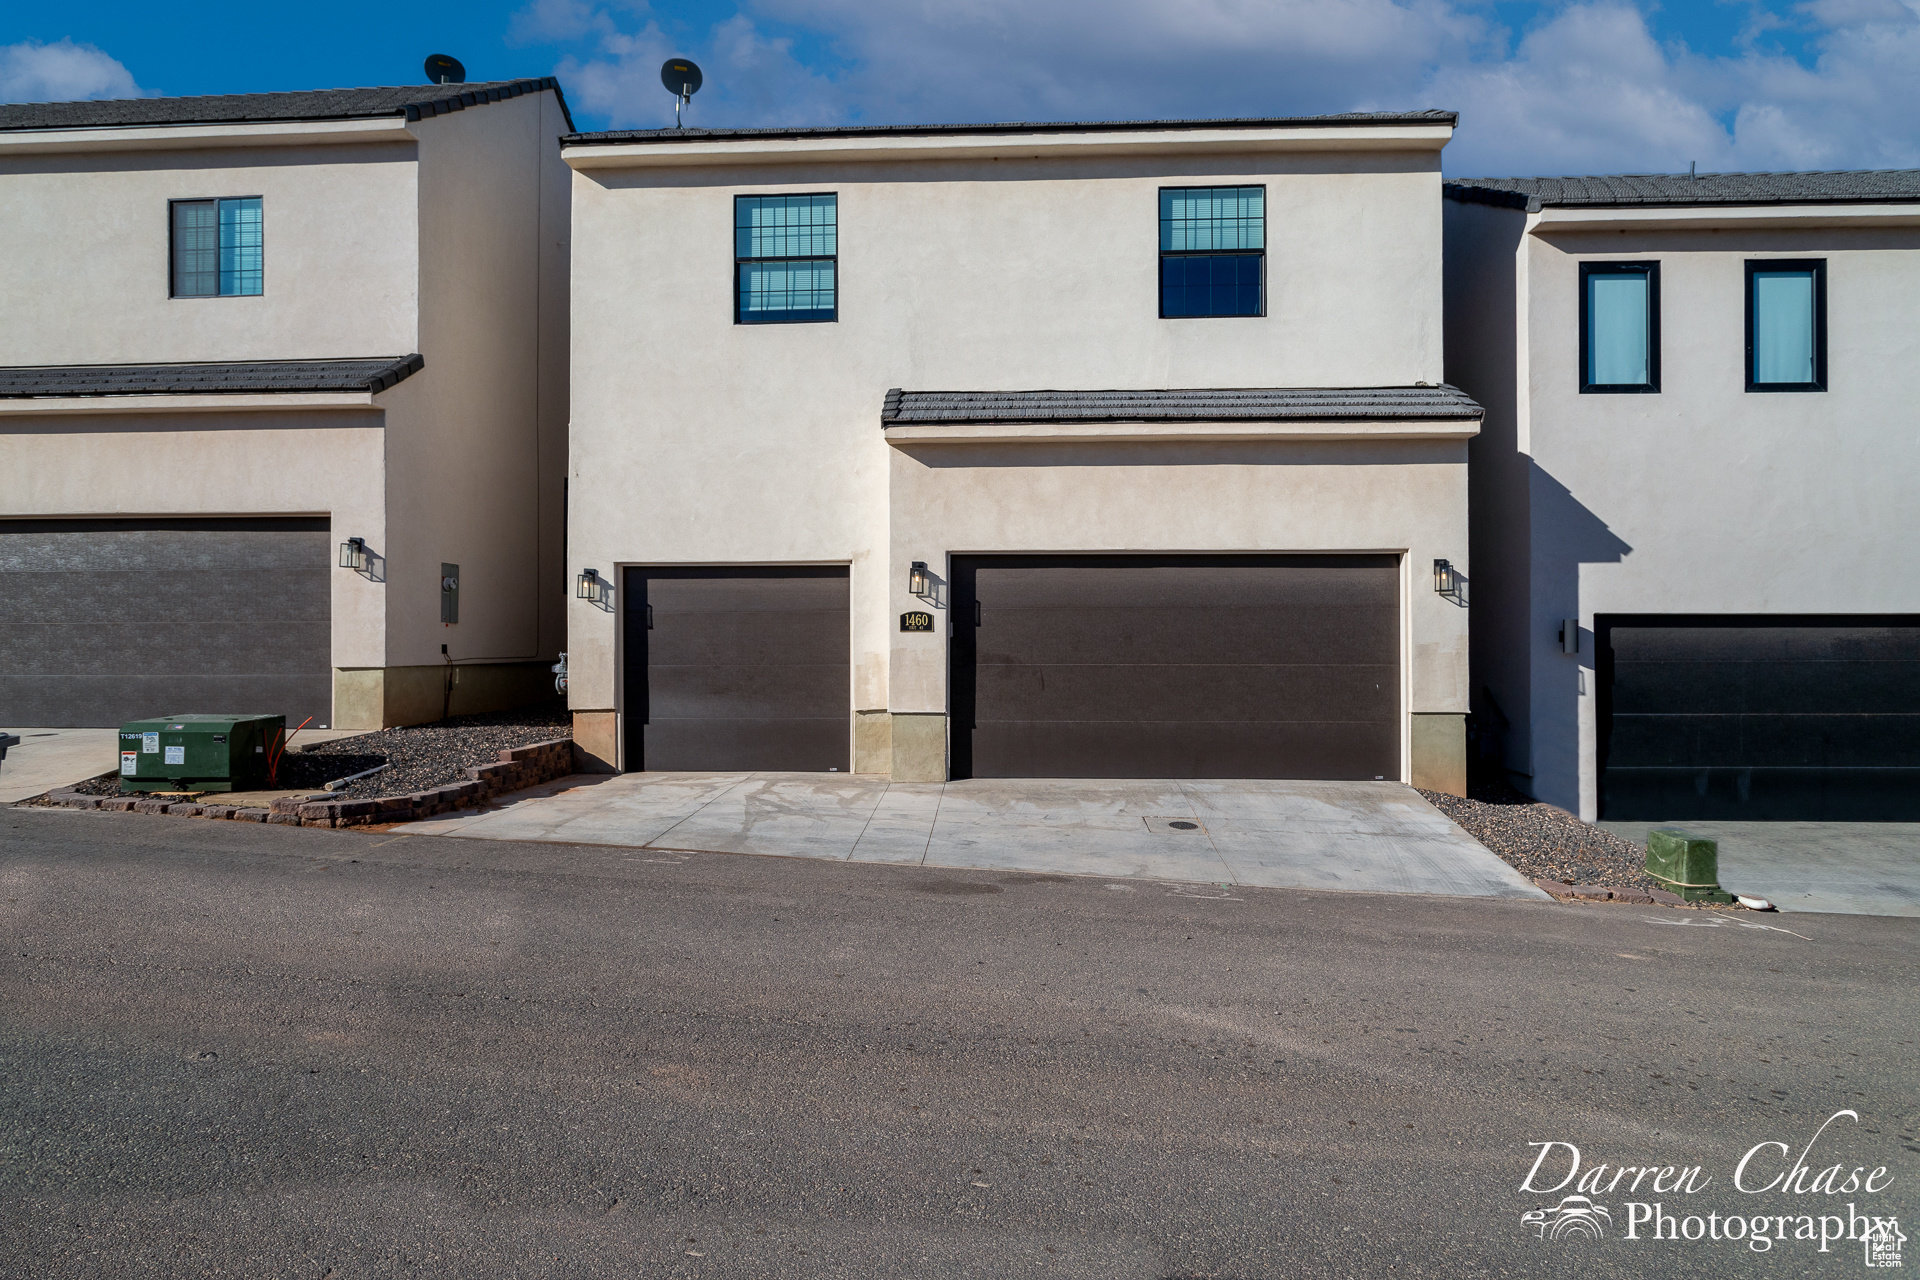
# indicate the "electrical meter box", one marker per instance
pixel 199 753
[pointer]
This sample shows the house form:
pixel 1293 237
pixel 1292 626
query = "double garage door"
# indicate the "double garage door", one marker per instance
pixel 1062 667
pixel 1809 718
pixel 105 621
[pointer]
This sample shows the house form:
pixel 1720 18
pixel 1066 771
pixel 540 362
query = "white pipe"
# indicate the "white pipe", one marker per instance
pixel 338 783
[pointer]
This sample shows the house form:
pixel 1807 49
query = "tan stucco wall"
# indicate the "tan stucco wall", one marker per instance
pixel 380 697
pixel 85 272
pixel 699 441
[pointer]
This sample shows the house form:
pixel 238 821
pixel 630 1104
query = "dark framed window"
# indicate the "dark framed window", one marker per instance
pixel 1787 324
pixel 1213 251
pixel 217 247
pixel 786 259
pixel 1619 327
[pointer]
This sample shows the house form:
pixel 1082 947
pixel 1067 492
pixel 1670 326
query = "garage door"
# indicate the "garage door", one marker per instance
pixel 738 669
pixel 105 621
pixel 1176 667
pixel 1811 718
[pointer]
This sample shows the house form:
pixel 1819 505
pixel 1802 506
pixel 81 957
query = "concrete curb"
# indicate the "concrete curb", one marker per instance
pixel 518 769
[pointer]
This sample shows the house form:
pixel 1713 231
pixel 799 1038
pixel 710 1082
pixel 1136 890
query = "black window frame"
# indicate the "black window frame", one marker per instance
pixel 1818 266
pixel 173 247
pixel 1652 385
pixel 831 258
pixel 1159 263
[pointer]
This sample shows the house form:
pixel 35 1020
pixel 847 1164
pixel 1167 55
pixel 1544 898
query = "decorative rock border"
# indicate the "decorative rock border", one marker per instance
pixel 518 769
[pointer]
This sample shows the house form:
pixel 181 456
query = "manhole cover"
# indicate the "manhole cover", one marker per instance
pixel 1170 825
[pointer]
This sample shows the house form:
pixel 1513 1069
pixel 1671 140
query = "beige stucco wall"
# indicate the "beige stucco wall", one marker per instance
pixel 1703 498
pixel 699 441
pixel 85 272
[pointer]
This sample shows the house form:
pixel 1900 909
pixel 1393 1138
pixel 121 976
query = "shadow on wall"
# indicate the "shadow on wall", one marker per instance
pixel 1565 535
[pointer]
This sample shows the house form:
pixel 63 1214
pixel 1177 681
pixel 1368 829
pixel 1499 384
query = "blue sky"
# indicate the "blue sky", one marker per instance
pixel 1570 86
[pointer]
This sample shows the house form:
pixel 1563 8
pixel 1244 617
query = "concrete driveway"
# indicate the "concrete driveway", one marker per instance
pixel 1368 836
pixel 1861 868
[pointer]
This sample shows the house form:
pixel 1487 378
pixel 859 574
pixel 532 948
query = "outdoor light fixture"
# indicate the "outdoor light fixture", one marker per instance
pixel 591 586
pixel 917 579
pixel 353 554
pixel 1449 581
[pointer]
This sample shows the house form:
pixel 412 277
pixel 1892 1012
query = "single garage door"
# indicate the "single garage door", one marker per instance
pixel 1809 718
pixel 105 621
pixel 738 668
pixel 1176 667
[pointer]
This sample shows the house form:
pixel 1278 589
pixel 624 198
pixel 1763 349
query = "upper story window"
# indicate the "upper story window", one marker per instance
pixel 1619 326
pixel 217 248
pixel 785 250
pixel 1213 249
pixel 1787 324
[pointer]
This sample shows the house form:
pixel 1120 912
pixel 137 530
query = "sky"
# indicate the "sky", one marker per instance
pixel 1553 87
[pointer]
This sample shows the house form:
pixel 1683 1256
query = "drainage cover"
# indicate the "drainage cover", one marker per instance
pixel 1170 825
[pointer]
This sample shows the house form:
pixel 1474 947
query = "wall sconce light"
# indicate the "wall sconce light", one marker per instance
pixel 917 579
pixel 591 587
pixel 1449 581
pixel 353 554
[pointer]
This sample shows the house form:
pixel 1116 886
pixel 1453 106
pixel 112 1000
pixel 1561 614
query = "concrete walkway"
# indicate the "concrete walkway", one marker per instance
pixel 1369 836
pixel 49 758
pixel 1860 868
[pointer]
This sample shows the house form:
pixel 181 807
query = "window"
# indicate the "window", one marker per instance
pixel 1213 243
pixel 1787 325
pixel 784 251
pixel 1619 326
pixel 217 248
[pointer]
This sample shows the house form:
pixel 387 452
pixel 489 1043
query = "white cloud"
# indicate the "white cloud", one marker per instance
pixel 1588 87
pixel 61 72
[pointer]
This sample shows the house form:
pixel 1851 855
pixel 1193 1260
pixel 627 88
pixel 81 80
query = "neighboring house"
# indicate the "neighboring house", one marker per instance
pixel 1055 450
pixel 283 405
pixel 1694 497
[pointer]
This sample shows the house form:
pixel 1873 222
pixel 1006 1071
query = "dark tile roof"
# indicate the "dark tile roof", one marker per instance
pixel 1206 404
pixel 414 101
pixel 257 376
pixel 1351 118
pixel 1844 186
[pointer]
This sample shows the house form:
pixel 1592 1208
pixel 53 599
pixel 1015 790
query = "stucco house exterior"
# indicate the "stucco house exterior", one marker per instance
pixel 282 404
pixel 1693 499
pixel 1056 450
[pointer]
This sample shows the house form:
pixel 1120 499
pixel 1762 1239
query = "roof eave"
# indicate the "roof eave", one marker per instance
pixel 1180 431
pixel 1144 141
pixel 195 137
pixel 1657 217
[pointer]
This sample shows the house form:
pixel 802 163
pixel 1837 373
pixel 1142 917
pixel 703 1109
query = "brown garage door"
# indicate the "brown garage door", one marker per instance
pixel 106 621
pixel 737 669
pixel 1176 667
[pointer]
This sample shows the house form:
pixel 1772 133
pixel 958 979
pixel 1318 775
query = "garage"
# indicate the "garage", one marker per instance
pixel 1804 718
pixel 738 669
pixel 1135 666
pixel 114 620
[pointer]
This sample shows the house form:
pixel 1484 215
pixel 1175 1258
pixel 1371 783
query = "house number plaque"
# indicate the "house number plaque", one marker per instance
pixel 916 620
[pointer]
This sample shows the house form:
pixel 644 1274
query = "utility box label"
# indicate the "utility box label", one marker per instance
pixel 176 755
pixel 129 762
pixel 916 620
pixel 150 743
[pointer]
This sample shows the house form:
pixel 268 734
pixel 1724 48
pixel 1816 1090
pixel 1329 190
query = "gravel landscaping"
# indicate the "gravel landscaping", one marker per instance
pixel 418 757
pixel 1544 842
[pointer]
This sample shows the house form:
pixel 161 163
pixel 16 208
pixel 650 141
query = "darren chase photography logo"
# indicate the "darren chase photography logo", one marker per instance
pixel 1771 1197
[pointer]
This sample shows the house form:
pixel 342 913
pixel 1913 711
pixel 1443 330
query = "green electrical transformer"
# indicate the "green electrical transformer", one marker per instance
pixel 200 753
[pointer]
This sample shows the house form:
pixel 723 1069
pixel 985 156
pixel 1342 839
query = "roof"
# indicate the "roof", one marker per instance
pixel 414 101
pixel 1843 186
pixel 243 376
pixel 1356 119
pixel 1204 404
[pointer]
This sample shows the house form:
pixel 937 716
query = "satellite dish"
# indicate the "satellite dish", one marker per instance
pixel 442 69
pixel 682 79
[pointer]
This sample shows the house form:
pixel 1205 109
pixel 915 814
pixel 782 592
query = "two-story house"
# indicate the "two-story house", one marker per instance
pixel 1694 493
pixel 1053 450
pixel 283 402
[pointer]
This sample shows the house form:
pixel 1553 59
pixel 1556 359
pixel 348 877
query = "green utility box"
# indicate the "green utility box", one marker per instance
pixel 199 753
pixel 1688 865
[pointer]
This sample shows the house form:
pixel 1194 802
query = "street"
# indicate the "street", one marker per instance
pixel 239 1050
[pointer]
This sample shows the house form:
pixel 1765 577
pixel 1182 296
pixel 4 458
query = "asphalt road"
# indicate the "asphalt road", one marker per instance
pixel 235 1050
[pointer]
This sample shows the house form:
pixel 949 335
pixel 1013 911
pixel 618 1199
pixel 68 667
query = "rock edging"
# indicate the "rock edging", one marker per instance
pixel 518 768
pixel 1602 893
